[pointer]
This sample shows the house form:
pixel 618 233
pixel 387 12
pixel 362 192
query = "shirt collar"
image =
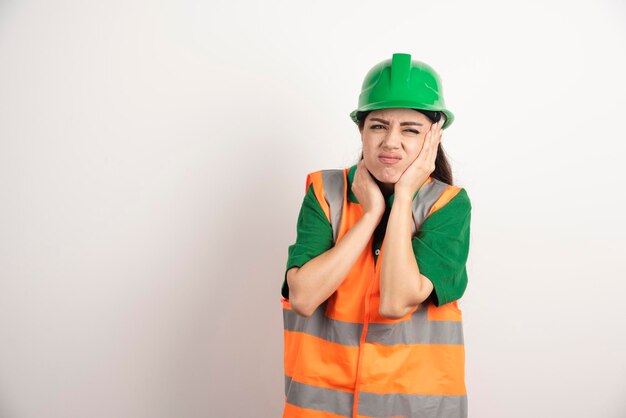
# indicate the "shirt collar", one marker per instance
pixel 352 198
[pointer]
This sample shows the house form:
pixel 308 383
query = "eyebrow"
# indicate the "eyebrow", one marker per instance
pixel 386 122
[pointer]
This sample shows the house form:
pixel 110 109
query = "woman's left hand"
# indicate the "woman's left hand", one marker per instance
pixel 421 168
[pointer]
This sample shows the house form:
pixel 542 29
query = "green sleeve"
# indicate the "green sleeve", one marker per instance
pixel 441 248
pixel 314 235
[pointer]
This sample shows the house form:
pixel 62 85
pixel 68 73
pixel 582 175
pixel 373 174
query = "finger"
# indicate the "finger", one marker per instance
pixel 439 133
pixel 433 144
pixel 437 141
pixel 425 146
pixel 432 150
pixel 436 133
pixel 428 145
pixel 436 129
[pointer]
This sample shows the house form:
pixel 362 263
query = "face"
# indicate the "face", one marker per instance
pixel 392 140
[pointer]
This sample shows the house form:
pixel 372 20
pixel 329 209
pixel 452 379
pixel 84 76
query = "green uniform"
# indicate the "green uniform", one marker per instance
pixel 441 245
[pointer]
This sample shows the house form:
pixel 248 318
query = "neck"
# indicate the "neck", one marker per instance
pixel 386 188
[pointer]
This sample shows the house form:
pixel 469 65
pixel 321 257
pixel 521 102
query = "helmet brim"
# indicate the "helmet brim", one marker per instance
pixel 449 116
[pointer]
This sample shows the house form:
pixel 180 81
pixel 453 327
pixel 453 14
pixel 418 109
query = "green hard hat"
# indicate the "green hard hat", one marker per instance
pixel 404 83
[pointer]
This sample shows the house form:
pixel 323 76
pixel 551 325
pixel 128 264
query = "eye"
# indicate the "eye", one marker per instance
pixel 376 126
pixel 412 130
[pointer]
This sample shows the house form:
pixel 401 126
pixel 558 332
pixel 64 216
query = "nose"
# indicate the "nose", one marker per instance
pixel 392 139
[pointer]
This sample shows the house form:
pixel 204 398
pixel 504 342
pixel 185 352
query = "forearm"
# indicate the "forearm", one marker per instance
pixel 402 286
pixel 317 279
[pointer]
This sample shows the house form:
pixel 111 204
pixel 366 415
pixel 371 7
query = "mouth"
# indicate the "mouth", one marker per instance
pixel 388 160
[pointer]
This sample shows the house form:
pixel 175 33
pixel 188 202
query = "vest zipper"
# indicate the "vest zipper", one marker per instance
pixel 366 318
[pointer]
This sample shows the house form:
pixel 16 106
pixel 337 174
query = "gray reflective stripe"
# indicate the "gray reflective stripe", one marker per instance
pixel 418 330
pixel 334 186
pixel 334 192
pixel 425 199
pixel 320 399
pixel 319 325
pixel 375 404
pixel 403 405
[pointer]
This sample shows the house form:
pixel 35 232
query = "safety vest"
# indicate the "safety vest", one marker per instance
pixel 346 360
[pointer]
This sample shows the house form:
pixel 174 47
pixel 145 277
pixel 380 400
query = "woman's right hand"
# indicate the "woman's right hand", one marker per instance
pixel 367 192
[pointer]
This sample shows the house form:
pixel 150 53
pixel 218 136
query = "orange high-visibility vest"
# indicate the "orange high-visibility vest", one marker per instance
pixel 346 360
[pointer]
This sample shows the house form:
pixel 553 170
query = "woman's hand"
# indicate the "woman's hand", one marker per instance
pixel 367 191
pixel 421 168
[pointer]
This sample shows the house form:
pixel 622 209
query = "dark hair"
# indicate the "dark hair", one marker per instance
pixel 442 171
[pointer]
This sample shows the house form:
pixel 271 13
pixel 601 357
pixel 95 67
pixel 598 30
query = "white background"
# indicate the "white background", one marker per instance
pixel 152 165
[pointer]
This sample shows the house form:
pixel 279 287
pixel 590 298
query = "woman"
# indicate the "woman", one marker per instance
pixel 371 319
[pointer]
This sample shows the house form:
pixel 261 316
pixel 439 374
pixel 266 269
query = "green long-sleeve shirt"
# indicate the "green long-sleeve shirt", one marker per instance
pixel 441 245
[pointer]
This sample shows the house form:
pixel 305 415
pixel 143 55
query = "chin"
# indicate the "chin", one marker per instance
pixel 388 175
pixel 385 173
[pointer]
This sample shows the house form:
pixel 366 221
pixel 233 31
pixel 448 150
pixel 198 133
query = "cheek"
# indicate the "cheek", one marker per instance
pixel 415 148
pixel 367 147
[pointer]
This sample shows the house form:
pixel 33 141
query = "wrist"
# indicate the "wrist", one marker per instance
pixel 403 198
pixel 371 218
pixel 402 193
